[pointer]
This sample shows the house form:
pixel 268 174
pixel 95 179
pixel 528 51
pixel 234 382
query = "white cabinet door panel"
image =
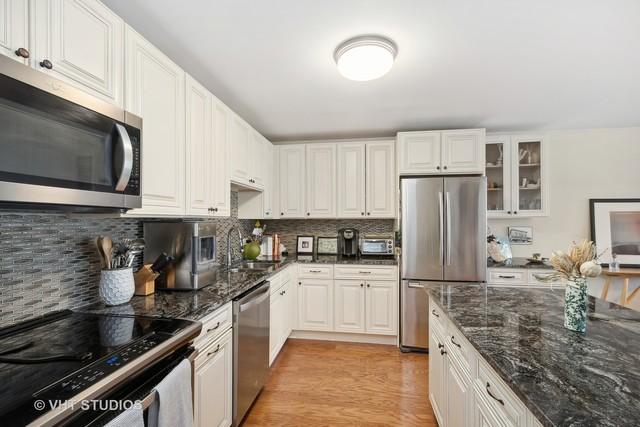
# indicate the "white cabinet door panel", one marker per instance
pixel 437 376
pixel 155 92
pixel 459 397
pixel 221 185
pixel 381 192
pixel 14 28
pixel 315 305
pixel 292 181
pixel 351 180
pixel 349 310
pixel 199 145
pixel 321 180
pixel 213 386
pixel 382 303
pixel 463 151
pixel 240 148
pixel 419 152
pixel 276 317
pixel 83 40
pixel 268 169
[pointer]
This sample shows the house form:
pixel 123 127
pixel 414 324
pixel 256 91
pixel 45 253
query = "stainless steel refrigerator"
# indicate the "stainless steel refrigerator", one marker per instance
pixel 444 225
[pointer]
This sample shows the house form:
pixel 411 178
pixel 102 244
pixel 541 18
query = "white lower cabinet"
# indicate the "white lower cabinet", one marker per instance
pixel 315 305
pixel 349 306
pixel 381 307
pixel 280 316
pixel 212 383
pixel 464 390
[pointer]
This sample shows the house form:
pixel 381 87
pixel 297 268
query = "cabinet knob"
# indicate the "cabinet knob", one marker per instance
pixel 368 285
pixel 368 213
pixel 362 213
pixel 445 168
pixel 308 214
pixel 45 63
pixel 361 285
pixel 515 212
pixel 509 212
pixel 281 213
pixel 443 351
pixel 215 209
pixel 299 283
pixel 22 52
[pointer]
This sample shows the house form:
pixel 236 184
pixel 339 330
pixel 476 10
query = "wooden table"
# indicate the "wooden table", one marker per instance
pixel 626 274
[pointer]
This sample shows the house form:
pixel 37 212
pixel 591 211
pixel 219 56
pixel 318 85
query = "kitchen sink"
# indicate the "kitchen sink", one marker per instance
pixel 253 266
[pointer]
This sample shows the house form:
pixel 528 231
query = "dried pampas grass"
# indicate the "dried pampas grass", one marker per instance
pixel 568 265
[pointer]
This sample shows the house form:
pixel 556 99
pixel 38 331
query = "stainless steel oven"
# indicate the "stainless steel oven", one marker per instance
pixel 63 147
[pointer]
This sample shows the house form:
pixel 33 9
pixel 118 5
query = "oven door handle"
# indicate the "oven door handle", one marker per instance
pixel 123 149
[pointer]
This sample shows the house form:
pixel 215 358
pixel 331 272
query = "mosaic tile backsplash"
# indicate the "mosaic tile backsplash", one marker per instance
pixel 48 261
pixel 290 229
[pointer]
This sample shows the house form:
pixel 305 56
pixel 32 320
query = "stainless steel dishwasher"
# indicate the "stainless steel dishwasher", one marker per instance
pixel 250 348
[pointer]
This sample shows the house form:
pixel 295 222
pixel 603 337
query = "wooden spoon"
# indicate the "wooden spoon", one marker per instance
pixel 107 248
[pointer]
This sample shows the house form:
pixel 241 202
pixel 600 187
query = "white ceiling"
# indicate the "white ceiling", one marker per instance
pixel 500 64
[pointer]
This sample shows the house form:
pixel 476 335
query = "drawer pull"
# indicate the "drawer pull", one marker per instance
pixel 214 328
pixel 455 343
pixel 500 401
pixel 506 277
pixel 364 272
pixel 440 345
pixel 434 313
pixel 214 351
pixel 315 271
pixel 443 351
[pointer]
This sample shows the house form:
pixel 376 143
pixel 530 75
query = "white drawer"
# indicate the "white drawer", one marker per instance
pixel 214 325
pixel 315 271
pixel 437 318
pixel 211 349
pixel 508 277
pixel 373 272
pixel 459 348
pixel 508 408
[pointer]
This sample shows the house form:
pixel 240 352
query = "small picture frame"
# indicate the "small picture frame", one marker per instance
pixel 327 246
pixel 520 235
pixel 305 245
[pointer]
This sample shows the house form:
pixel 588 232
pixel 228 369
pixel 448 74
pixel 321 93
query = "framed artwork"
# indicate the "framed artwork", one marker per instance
pixel 615 229
pixel 327 246
pixel 520 235
pixel 305 245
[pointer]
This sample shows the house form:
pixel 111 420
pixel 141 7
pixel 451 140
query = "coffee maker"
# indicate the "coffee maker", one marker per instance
pixel 348 239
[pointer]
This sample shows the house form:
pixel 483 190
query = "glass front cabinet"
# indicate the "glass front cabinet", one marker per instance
pixel 516 170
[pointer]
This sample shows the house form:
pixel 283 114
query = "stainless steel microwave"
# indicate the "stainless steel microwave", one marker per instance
pixel 62 147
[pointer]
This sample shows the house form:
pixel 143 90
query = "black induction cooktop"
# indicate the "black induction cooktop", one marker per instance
pixel 58 356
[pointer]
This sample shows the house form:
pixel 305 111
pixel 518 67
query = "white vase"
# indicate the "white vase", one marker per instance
pixel 116 286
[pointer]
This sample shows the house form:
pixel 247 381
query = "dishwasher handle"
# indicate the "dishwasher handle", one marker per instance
pixel 254 298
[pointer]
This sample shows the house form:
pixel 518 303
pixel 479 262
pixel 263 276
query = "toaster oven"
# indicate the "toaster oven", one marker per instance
pixel 373 246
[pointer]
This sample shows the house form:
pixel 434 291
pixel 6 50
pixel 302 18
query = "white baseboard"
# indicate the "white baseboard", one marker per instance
pixel 345 337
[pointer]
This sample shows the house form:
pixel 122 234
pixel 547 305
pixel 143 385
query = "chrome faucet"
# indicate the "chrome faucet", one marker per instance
pixel 229 252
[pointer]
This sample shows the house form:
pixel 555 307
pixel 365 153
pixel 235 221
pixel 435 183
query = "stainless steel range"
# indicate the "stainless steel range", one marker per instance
pixel 66 356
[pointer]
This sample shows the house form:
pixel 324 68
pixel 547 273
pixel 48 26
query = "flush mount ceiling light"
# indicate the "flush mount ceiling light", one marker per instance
pixel 365 58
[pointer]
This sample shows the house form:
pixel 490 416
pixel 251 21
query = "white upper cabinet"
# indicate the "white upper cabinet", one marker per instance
pixel 257 160
pixel 221 184
pixel 268 169
pixel 517 171
pixel 199 149
pixel 351 180
pixel 292 181
pixel 240 140
pixel 155 92
pixel 381 180
pixel 441 152
pixel 419 152
pixel 14 29
pixel 321 180
pixel 463 151
pixel 81 42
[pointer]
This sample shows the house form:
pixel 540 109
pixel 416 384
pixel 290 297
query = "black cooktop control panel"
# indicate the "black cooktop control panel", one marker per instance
pixel 89 375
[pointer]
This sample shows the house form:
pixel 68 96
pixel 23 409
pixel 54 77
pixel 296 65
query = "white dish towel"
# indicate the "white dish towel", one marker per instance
pixel 173 405
pixel 130 418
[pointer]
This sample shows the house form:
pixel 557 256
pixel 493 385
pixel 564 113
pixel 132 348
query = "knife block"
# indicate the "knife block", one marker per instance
pixel 145 281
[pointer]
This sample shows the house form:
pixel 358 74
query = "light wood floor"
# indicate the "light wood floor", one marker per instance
pixel 321 383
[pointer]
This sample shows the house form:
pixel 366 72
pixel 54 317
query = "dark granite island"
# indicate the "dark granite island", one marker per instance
pixel 564 378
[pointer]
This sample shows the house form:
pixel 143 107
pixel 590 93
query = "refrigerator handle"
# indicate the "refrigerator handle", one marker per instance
pixel 448 210
pixel 441 229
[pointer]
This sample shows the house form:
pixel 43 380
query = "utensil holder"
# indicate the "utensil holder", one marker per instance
pixel 116 286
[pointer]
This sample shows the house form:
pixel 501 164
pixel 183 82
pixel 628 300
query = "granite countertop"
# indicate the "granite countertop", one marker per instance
pixel 192 305
pixel 565 378
pixel 337 259
pixel 518 263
